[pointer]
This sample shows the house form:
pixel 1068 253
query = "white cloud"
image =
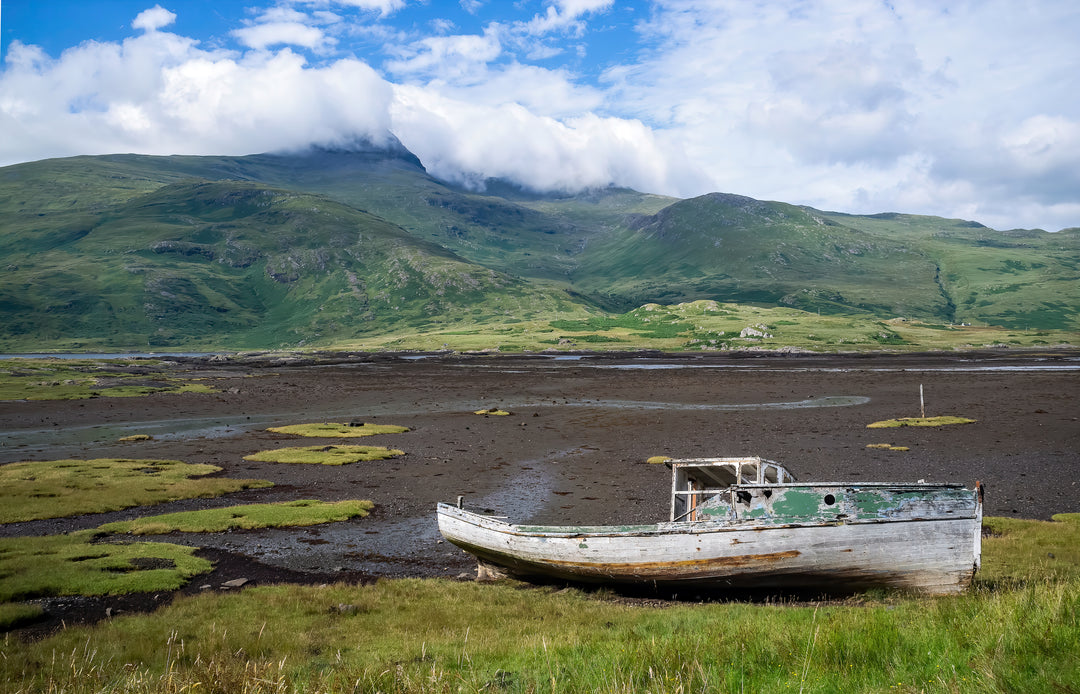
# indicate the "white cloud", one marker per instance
pixel 284 26
pixel 957 109
pixel 448 57
pixel 576 8
pixel 159 93
pixel 383 7
pixel 800 101
pixel 471 6
pixel 470 142
pixel 563 16
pixel 153 19
pixel 264 35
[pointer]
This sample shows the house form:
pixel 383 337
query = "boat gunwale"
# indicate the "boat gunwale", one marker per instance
pixel 496 525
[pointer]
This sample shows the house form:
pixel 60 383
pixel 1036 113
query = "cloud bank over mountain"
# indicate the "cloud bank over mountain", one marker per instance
pixel 964 110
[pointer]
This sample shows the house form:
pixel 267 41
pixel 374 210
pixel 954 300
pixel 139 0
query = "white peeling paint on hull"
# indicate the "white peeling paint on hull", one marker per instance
pixel 936 556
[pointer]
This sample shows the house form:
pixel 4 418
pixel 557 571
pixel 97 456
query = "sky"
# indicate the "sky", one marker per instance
pixel 968 110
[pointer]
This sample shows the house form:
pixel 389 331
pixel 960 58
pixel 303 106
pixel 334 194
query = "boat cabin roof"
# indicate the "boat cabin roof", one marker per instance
pixel 724 472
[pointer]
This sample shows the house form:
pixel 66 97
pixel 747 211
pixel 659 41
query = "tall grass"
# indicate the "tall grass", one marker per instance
pixel 1016 631
pixel 436 635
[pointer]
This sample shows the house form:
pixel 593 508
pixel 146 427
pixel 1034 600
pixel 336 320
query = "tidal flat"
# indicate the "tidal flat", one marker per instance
pixel 572 450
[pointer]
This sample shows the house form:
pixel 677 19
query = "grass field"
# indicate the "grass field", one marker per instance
pixel 706 326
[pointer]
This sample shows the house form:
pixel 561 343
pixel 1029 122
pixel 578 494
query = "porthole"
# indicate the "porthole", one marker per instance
pixel 830 499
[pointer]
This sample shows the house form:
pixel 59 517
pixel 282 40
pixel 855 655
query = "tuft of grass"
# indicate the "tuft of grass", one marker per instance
pixel 135 437
pixel 658 459
pixel 74 564
pixel 59 488
pixel 338 430
pixel 279 515
pixel 919 422
pixel 493 411
pixel 325 455
pixel 16 614
pixel 887 447
pixel 1019 550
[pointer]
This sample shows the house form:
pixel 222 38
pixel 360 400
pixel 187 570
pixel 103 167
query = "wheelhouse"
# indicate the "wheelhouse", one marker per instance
pixel 695 481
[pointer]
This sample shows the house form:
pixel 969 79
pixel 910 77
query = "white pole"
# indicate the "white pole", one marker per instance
pixel 922 403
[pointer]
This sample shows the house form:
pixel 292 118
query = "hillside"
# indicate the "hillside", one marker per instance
pixel 216 264
pixel 329 246
pixel 763 252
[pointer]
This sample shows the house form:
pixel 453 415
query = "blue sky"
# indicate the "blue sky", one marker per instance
pixel 959 109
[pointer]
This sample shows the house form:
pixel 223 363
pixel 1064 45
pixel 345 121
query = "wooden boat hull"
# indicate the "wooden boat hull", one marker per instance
pixel 930 555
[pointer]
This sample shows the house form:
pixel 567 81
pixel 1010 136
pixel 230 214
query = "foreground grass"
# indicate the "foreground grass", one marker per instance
pixel 72 564
pixel 67 379
pixel 60 488
pixel 215 520
pixel 338 429
pixel 419 636
pixel 1018 630
pixel 325 455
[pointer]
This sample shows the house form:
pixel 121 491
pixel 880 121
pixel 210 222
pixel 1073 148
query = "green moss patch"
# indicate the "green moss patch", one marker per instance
pixel 248 516
pixel 325 455
pixel 919 422
pixel 73 564
pixel 59 488
pixel 338 430
pixel 68 379
pixel 887 447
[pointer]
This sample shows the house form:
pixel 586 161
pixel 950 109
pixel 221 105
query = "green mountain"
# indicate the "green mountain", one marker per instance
pixel 331 246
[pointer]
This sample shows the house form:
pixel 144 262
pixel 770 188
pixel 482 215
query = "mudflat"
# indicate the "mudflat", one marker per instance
pixel 574 448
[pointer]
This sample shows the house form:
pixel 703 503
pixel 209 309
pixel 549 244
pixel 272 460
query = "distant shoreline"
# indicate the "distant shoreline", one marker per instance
pixel 327 357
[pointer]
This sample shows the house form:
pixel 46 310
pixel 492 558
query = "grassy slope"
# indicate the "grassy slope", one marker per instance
pixel 1017 279
pixel 241 265
pixel 733 248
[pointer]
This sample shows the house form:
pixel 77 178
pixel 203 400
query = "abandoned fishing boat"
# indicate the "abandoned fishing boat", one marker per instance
pixel 746 523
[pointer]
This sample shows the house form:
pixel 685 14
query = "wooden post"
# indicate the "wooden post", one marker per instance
pixel 922 403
